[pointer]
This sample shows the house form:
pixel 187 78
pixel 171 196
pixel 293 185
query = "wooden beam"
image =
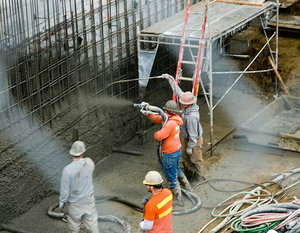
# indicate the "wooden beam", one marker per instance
pixel 279 77
pixel 241 2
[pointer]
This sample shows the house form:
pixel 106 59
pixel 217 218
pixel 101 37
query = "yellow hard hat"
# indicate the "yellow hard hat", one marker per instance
pixel 153 178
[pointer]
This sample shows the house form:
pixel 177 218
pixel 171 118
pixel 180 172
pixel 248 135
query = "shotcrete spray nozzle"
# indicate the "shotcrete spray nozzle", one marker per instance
pixel 137 105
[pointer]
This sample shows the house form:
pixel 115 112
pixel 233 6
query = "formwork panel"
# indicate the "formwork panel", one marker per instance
pixel 277 125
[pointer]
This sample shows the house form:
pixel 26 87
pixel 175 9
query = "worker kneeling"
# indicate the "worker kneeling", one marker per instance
pixel 171 149
pixel 158 209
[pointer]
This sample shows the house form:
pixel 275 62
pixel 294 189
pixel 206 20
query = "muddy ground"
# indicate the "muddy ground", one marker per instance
pixel 233 158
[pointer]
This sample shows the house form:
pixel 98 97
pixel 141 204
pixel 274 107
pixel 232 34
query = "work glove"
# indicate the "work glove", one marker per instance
pixel 144 201
pixel 144 109
pixel 189 150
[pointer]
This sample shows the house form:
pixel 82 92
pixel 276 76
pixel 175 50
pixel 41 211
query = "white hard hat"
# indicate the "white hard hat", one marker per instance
pixel 77 149
pixel 272 231
pixel 153 178
pixel 188 98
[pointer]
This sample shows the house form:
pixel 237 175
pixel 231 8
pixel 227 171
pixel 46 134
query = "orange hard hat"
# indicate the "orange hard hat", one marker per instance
pixel 188 98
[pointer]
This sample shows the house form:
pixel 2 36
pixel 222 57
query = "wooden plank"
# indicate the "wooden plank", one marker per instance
pixel 242 2
pixel 285 25
pixel 286 21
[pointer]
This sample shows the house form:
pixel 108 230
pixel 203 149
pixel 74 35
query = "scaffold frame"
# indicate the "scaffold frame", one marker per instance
pixel 168 32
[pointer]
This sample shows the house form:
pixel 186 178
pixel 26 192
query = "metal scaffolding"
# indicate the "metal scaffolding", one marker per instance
pixel 223 19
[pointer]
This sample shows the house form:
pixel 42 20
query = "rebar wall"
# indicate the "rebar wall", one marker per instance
pixel 54 50
pixel 59 59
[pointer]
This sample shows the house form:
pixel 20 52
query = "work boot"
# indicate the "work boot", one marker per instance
pixel 184 182
pixel 177 199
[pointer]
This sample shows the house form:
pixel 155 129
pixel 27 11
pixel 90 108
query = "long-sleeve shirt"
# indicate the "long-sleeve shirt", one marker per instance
pixel 191 128
pixel 169 134
pixel 77 180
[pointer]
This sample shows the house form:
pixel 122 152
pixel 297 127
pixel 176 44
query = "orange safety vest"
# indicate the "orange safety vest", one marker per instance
pixel 169 134
pixel 159 210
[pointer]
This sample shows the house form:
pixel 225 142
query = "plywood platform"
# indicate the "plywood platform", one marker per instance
pixel 223 18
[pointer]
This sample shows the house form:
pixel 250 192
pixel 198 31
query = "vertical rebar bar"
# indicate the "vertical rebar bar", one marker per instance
pixel 126 29
pixel 102 50
pixel 94 47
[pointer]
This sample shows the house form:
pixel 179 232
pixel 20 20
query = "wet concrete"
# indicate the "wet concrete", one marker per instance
pixel 122 174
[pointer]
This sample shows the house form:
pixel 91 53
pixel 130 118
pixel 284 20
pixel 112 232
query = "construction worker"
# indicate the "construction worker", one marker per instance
pixel 158 209
pixel 171 149
pixel 191 132
pixel 77 191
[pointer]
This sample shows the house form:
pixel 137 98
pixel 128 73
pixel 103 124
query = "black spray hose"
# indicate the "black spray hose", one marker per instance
pixel 194 199
pixel 164 119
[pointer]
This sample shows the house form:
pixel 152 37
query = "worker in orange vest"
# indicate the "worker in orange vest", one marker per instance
pixel 158 209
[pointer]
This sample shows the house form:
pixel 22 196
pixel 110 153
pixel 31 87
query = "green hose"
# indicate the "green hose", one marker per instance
pixel 235 225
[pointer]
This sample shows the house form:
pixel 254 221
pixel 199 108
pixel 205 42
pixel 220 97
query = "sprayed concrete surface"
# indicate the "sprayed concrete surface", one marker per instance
pixel 233 158
pixel 122 174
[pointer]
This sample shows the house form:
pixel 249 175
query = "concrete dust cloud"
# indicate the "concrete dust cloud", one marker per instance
pixel 106 101
pixel 36 143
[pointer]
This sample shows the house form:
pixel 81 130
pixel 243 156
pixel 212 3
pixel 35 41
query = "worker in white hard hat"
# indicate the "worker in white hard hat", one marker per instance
pixel 158 209
pixel 191 132
pixel 77 191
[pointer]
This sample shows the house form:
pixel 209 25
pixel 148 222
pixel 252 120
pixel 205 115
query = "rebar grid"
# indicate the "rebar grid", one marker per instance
pixel 53 51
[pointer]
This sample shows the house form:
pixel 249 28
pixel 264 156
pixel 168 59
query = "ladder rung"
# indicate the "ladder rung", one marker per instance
pixel 193 30
pixel 194 13
pixel 185 78
pixel 188 62
pixel 190 46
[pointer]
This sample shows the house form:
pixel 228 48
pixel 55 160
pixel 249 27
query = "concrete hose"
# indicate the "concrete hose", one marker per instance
pixel 195 201
pixel 5 227
pixel 115 198
pixel 109 218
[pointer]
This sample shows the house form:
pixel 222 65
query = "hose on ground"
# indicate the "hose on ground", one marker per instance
pixel 108 218
pixel 5 227
pixel 234 209
pixel 196 205
pixel 195 201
